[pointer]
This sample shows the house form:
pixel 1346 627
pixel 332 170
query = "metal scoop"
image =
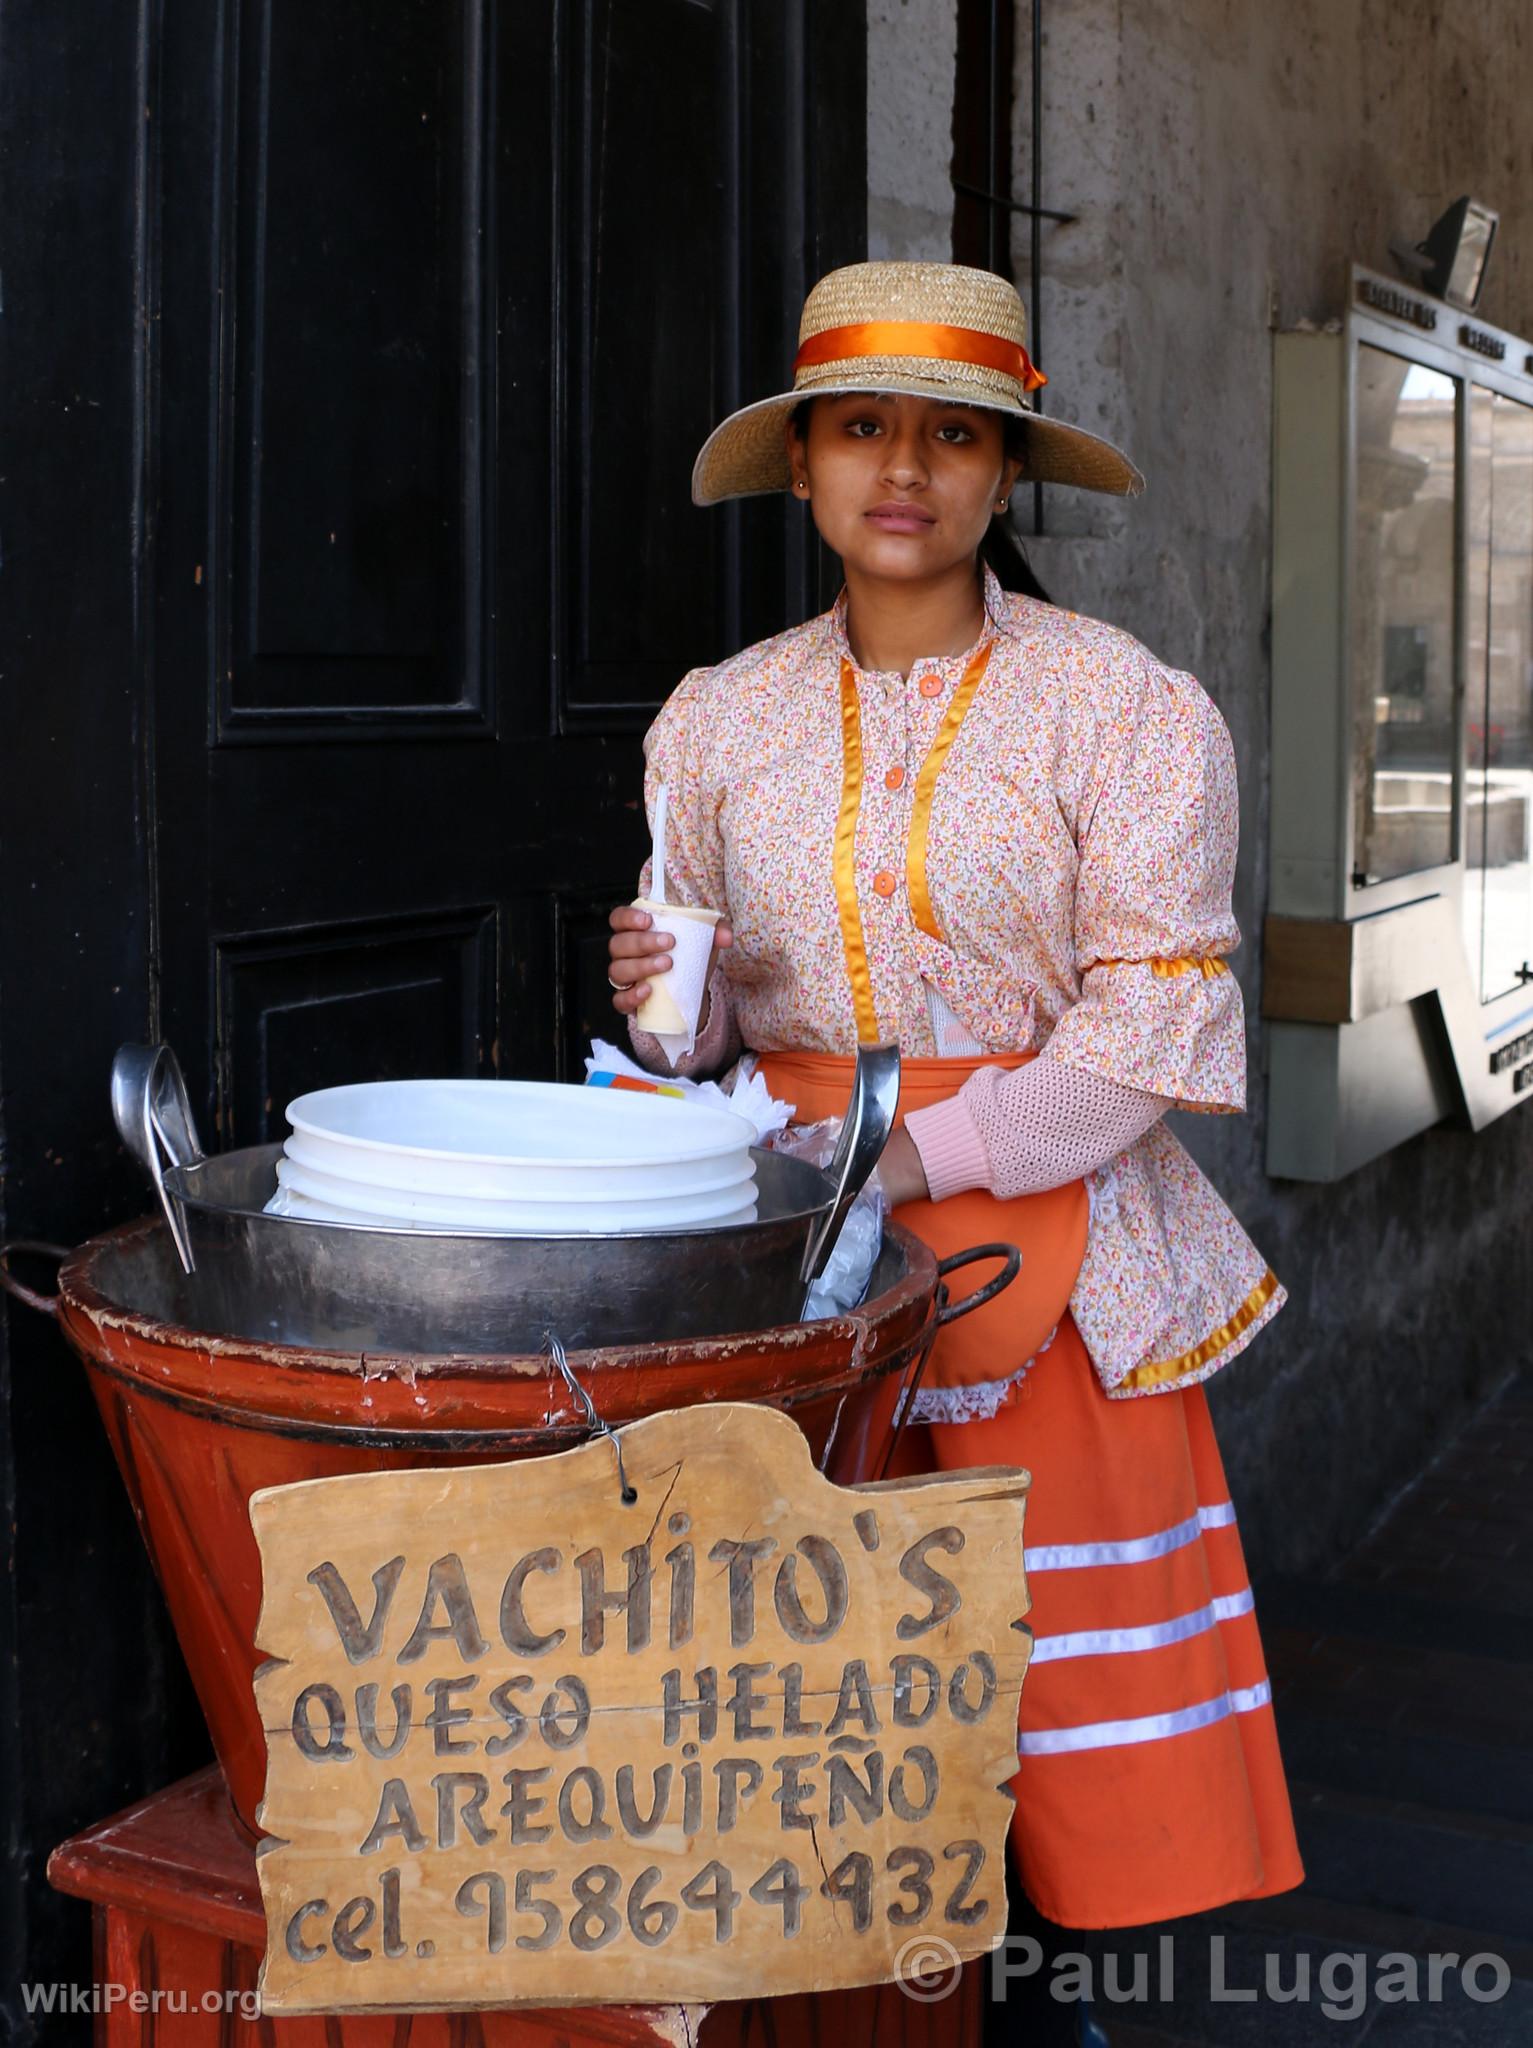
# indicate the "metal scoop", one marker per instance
pixel 154 1120
pixel 864 1133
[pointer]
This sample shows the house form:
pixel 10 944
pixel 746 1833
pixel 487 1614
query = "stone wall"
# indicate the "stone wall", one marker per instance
pixel 912 52
pixel 1227 163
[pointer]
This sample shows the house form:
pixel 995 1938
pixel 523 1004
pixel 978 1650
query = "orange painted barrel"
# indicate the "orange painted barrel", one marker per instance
pixel 199 1422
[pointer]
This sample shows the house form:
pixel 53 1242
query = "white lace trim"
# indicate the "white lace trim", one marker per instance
pixel 977 1402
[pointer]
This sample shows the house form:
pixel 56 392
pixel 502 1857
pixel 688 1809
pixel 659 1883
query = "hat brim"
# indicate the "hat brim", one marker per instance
pixel 746 454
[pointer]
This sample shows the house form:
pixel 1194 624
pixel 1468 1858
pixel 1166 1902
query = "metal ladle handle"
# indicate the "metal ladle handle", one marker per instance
pixel 864 1133
pixel 154 1120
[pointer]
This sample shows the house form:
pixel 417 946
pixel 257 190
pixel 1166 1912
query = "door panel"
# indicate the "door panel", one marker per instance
pixel 349 352
pixel 312 1008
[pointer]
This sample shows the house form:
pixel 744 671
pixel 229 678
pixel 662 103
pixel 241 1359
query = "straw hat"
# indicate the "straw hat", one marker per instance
pixel 935 330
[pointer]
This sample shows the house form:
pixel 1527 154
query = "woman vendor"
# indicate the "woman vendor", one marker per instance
pixel 950 813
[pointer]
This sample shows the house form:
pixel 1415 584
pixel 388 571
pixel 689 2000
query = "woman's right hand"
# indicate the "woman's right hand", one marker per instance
pixel 636 953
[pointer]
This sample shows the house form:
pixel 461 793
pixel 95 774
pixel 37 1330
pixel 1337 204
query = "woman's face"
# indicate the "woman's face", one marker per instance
pixel 901 487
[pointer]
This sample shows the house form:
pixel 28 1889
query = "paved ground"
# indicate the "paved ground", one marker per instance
pixel 1404 1693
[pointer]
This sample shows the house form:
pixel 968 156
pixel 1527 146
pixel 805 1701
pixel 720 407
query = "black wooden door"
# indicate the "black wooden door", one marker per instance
pixel 356 358
pixel 449 296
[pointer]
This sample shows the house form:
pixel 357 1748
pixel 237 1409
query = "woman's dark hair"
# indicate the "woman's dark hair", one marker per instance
pixel 1000 550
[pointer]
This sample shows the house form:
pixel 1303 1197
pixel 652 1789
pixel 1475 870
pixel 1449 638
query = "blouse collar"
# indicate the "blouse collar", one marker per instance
pixel 997 620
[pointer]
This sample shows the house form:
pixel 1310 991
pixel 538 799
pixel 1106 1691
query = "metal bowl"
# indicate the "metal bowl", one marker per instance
pixel 297 1280
pixel 344 1286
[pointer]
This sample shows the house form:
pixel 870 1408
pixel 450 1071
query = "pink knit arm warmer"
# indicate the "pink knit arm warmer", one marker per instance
pixel 1019 1132
pixel 717 1046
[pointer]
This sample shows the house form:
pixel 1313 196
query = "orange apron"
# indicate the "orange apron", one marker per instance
pixel 1150 1783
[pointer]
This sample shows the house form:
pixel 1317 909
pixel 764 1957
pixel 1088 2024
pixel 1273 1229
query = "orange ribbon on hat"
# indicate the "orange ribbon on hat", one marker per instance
pixel 920 338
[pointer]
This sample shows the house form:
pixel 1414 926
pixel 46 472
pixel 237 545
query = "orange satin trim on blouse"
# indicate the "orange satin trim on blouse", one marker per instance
pixel 1209 965
pixel 1157 1373
pixel 926 789
pixel 844 860
pixel 920 338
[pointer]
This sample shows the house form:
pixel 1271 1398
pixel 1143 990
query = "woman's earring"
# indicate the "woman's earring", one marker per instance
pixel 801 485
pixel 1001 504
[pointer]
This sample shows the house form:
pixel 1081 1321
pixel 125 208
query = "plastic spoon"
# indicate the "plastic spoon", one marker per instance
pixel 657 851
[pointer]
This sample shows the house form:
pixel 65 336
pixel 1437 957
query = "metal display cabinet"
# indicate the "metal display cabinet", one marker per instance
pixel 1399 944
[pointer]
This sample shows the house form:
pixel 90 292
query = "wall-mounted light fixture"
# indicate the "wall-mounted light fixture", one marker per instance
pixel 1451 262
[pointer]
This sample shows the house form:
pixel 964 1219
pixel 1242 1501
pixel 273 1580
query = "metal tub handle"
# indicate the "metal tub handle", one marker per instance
pixel 1011 1258
pixel 45 1304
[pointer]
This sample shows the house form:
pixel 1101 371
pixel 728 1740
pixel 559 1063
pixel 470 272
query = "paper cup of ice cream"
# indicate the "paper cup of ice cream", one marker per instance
pixel 675 1000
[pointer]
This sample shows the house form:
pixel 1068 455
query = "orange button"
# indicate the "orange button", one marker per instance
pixel 895 779
pixel 884 882
pixel 931 686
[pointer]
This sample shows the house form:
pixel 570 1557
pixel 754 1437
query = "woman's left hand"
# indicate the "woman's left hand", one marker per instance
pixel 900 1171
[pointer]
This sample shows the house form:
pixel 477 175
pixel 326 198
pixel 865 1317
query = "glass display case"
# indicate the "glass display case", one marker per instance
pixel 1498 786
pixel 1404 666
pixel 1400 944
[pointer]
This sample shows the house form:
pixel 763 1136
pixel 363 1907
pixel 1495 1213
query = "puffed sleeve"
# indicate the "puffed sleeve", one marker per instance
pixel 676 753
pixel 1157 827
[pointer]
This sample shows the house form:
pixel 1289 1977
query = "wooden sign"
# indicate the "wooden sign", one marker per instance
pixel 528 1743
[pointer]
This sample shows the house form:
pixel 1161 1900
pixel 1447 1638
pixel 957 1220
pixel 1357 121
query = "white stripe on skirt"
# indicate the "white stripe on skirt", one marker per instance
pixel 1064 1557
pixel 1145 1727
pixel 1154 1635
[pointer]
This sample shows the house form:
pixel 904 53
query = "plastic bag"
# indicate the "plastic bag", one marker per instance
pixel 748 1096
pixel 844 1282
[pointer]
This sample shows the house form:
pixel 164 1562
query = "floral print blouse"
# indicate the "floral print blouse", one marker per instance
pixel 1079 859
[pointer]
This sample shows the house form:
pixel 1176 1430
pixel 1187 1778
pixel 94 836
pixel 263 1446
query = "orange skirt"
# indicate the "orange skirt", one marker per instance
pixel 1150 1782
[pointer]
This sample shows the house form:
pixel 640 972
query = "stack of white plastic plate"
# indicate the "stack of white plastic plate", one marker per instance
pixel 514 1158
